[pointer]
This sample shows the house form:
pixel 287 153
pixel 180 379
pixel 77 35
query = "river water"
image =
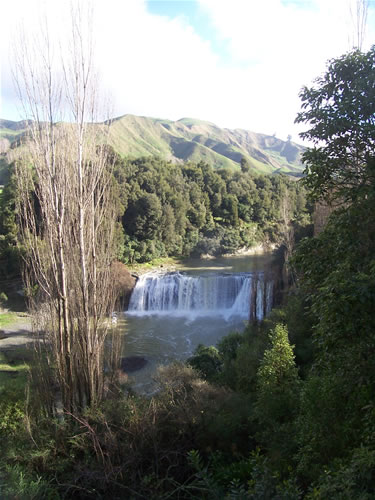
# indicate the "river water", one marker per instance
pixel 172 313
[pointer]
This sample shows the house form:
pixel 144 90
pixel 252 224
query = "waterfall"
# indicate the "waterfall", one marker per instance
pixel 245 295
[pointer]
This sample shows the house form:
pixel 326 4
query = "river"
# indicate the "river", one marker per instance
pixel 174 312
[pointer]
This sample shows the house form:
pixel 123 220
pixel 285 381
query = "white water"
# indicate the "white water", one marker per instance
pixel 243 295
pixel 164 324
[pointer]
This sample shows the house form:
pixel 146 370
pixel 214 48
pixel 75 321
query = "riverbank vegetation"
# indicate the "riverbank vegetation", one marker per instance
pixel 181 210
pixel 284 410
pixel 193 210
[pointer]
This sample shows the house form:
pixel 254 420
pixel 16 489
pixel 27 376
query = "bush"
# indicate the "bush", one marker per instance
pixel 277 398
pixel 19 484
pixel 207 361
pixel 249 478
pixel 353 478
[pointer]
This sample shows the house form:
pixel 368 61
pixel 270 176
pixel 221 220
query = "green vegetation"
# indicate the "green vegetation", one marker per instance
pixel 192 209
pixel 196 140
pixel 14 369
pixel 340 111
pixel 7 318
pixel 10 252
pixel 173 210
pixel 286 409
pixel 192 140
pixel 316 429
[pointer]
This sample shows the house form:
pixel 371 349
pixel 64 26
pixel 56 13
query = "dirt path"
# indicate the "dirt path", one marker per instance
pixel 17 333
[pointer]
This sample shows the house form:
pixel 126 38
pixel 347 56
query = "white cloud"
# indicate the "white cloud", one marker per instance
pixel 153 64
pixel 161 67
pixel 281 47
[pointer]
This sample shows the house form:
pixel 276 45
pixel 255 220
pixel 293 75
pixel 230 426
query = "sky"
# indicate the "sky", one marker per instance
pixel 236 63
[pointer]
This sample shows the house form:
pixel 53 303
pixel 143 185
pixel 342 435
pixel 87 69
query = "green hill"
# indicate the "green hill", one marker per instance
pixel 10 132
pixel 193 140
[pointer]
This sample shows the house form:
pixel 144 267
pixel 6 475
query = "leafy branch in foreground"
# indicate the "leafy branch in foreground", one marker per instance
pixel 340 111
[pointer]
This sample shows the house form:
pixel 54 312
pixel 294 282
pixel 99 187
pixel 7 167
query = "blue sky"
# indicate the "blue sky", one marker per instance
pixel 192 14
pixel 237 63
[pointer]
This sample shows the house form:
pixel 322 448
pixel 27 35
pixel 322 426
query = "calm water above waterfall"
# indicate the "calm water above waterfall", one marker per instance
pixel 171 313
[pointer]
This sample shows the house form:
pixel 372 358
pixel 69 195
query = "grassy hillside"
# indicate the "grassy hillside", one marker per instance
pixel 192 140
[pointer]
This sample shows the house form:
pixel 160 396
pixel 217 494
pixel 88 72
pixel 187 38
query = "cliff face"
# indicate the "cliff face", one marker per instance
pixel 123 283
pixel 321 213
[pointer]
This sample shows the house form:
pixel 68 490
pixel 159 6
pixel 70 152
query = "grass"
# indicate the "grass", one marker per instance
pixel 7 318
pixel 155 264
pixel 14 369
pixel 142 136
pixel 9 132
pixel 12 361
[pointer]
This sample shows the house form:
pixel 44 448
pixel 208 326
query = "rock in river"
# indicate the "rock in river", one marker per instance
pixel 131 364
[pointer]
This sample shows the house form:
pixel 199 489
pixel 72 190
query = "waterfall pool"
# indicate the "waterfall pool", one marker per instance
pixel 170 314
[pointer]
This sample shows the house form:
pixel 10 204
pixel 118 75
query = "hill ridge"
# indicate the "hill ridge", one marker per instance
pixel 190 139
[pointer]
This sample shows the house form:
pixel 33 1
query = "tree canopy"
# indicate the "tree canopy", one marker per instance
pixel 192 209
pixel 340 111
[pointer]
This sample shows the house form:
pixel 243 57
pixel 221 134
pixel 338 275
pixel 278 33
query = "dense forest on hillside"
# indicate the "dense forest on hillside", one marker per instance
pixel 284 410
pixel 184 210
pixel 192 209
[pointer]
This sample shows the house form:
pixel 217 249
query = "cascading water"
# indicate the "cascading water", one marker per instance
pixel 245 295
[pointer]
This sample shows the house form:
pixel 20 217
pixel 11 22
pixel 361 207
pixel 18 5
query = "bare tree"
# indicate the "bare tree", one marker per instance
pixel 66 211
pixel 358 16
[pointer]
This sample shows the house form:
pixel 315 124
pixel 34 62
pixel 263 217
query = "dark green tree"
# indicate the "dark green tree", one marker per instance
pixel 245 165
pixel 207 360
pixel 9 249
pixel 142 217
pixel 340 113
pixel 230 210
pixel 337 274
pixel 276 406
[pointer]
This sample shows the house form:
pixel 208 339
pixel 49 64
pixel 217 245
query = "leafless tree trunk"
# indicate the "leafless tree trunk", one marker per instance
pixel 66 211
pixel 358 15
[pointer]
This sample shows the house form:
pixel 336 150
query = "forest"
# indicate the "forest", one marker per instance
pixel 183 210
pixel 283 410
pixel 192 209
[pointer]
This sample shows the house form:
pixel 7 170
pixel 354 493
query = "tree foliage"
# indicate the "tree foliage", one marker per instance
pixel 277 396
pixel 10 251
pixel 319 430
pixel 264 419
pixel 336 279
pixel 340 111
pixel 193 209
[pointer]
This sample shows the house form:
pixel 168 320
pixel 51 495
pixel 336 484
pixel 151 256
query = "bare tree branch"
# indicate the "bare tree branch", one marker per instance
pixel 66 210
